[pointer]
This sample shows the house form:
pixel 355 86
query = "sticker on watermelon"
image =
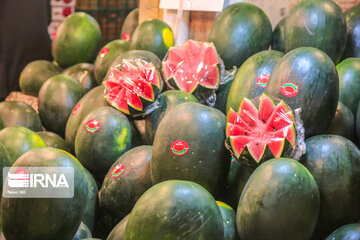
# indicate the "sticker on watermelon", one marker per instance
pixel 118 171
pixel 126 36
pixel 289 89
pixel 258 133
pixel 262 80
pixel 132 86
pixel 54 34
pixel 103 52
pixel 75 109
pixel 92 126
pixel 179 148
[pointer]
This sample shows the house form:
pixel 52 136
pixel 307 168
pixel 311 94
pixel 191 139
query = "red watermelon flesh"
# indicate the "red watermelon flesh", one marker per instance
pixel 192 64
pixel 252 128
pixel 131 82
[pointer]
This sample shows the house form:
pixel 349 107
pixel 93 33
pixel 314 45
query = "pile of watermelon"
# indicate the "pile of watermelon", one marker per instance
pixel 165 146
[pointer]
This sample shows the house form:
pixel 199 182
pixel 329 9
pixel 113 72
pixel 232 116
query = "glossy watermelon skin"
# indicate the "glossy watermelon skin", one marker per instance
pixel 91 203
pixel 53 140
pixel 202 129
pixel 246 79
pixel 175 210
pixel 349 82
pixel 167 100
pixel 266 208
pixel 82 233
pixel 277 42
pixel 119 194
pixel 119 230
pixel 343 123
pixel 227 33
pixel 346 232
pixel 77 40
pixel 84 73
pixel 316 78
pixel 301 30
pixel 130 23
pixel 52 219
pixel 57 98
pixel 334 161
pixel 34 75
pixel 229 221
pixel 15 113
pixel 352 18
pixel 222 95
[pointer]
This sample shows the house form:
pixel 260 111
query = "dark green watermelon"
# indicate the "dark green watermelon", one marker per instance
pixel 1 123
pixel 57 98
pixel 103 136
pixel 91 202
pixel 107 55
pixel 306 78
pixel 280 201
pixel 45 218
pixel 129 25
pixel 4 162
pixel 127 179
pixel 15 113
pixel 82 232
pixel 35 74
pixel 346 232
pixel 77 40
pixel 240 31
pixel 357 124
pixel 319 24
pixel 334 161
pixel 189 145
pixel 153 35
pixel 222 95
pixel 90 101
pixel 53 140
pixel 252 77
pixel 167 101
pixel 349 82
pixel 18 140
pixel 343 123
pixel 175 210
pixel 119 230
pixel 229 221
pixel 84 73
pixel 277 42
pixel 352 17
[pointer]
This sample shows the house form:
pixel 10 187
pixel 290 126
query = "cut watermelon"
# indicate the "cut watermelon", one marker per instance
pixel 191 66
pixel 132 85
pixel 255 135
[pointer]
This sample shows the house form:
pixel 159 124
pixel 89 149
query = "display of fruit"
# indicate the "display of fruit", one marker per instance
pixel 84 73
pixel 343 123
pixel 278 37
pixel 129 25
pixel 352 17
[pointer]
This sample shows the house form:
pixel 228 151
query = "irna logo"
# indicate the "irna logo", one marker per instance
pixel 23 179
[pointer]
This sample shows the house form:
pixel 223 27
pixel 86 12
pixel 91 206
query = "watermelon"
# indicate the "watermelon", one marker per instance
pixel 107 55
pixel 90 101
pixel 147 56
pixel 53 140
pixel 4 162
pixel 334 161
pixel 127 179
pixel 82 232
pixel 193 67
pixel 103 136
pixel 175 210
pixel 189 145
pixel 258 133
pixel 1 123
pixel 119 230
pixel 15 113
pixel 77 40
pixel 252 77
pixel 152 35
pixel 91 202
pixel 222 95
pixel 57 98
pixel 346 232
pixel 306 78
pixel 229 221
pixel 352 17
pixel 312 24
pixel 357 124
pixel 84 73
pixel 34 75
pixel 167 101
pixel 343 123
pixel 280 201
pixel 132 86
pixel 51 218
pixel 240 31
pixel 349 80
pixel 18 140
pixel 129 25
pixel 278 37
